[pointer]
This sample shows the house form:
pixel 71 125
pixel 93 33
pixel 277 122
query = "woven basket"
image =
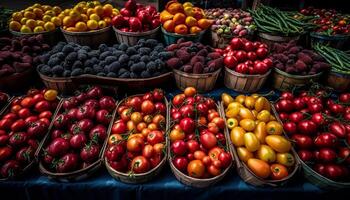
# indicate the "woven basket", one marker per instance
pixel 131 38
pixel 62 85
pixel 91 38
pixel 340 82
pixel 143 177
pixel 196 182
pixel 171 38
pixel 11 83
pixel 270 39
pixel 202 82
pixel 27 168
pixel 335 41
pixel 75 175
pixel 283 81
pixel 50 37
pixel 244 82
pixel 247 175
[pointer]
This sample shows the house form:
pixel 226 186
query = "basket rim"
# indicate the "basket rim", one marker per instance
pixel 329 37
pixel 247 75
pixel 296 76
pixel 339 74
pixel 179 35
pixel 17 33
pixel 136 33
pixel 105 29
pixel 191 75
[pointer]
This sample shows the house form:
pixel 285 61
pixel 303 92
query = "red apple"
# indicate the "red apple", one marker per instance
pixel 135 24
pixel 151 10
pixel 130 5
pixel 125 12
pixel 155 23
pixel 119 21
pixel 144 16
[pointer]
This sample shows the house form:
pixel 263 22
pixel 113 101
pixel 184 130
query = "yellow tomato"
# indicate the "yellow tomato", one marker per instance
pixel 285 159
pixel 234 105
pixel 278 143
pixel 231 123
pixel 240 98
pixel 255 95
pixel 244 154
pixel 247 124
pixel 233 112
pixel 264 116
pixel 260 132
pixel 272 118
pixel 245 113
pixel 274 128
pixel 259 167
pixel 266 154
pixel 102 24
pixel 92 24
pixel 237 136
pixel 94 17
pixel 176 134
pixel 136 117
pixel 249 102
pixel 262 103
pixel 251 142
pixel 226 99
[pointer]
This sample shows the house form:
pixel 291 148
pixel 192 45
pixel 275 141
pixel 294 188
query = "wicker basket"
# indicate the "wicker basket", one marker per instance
pixel 50 37
pixel 131 38
pixel 283 81
pixel 143 177
pixel 75 175
pixel 244 82
pixel 247 175
pixel 27 168
pixel 336 41
pixel 270 39
pixel 171 38
pixel 17 81
pixel 196 182
pixel 202 82
pixel 62 85
pixel 91 38
pixel 340 82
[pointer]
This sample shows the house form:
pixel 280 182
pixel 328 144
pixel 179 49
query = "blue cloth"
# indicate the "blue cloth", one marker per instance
pixel 165 186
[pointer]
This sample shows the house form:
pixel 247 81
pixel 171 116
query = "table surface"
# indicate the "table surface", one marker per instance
pixel 102 185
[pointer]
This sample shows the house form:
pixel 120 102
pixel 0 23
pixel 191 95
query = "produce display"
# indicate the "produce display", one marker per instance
pixel 230 22
pixel 3 100
pixel 294 59
pixel 137 141
pixel 319 126
pixel 135 17
pixel 22 127
pixel 328 21
pixel 246 57
pixel 277 22
pixel 18 55
pixel 339 60
pixel 184 18
pixel 36 19
pixel 79 131
pixel 258 137
pixel 5 15
pixel 197 140
pixel 144 60
pixel 193 57
pixel 87 16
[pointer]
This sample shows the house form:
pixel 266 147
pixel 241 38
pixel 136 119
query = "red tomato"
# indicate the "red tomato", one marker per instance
pixel 196 168
pixel 46 114
pixel 179 147
pixel 208 140
pixel 42 106
pixel 24 113
pixel 148 151
pixel 155 137
pixel 140 165
pixel 192 145
pixel 27 102
pixel 225 159
pixel 147 107
pixel 180 163
pixel 215 152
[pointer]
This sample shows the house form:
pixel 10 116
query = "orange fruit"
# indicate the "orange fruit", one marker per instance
pixel 67 21
pixel 47 18
pixel 181 29
pixel 79 8
pixel 39 29
pixel 25 29
pixel 24 20
pixel 15 26
pixel 90 11
pixel 17 16
pixel 187 4
pixel 46 7
pixel 102 24
pixel 169 25
pixel 38 13
pixel 204 23
pixel 94 17
pixel 49 26
pixel 50 13
pixel 165 15
pixel 84 18
pixel 81 26
pixel 72 29
pixel 40 23
pixel 57 21
pixel 195 29
pixel 107 10
pixel 74 15
pixel 37 5
pixel 179 18
pixel 61 16
pixel 66 11
pixel 57 10
pixel 99 10
pixel 29 15
pixel 108 20
pixel 174 8
pixel 191 21
pixel 92 24
pixel 198 13
pixel 96 3
pixel 31 23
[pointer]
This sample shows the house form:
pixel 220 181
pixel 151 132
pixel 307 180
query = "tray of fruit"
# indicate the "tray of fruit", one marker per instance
pixel 263 154
pixel 318 123
pixel 198 149
pixel 18 58
pixel 183 21
pixel 23 125
pixel 137 66
pixel 229 23
pixel 77 138
pixel 136 150
pixel 136 21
